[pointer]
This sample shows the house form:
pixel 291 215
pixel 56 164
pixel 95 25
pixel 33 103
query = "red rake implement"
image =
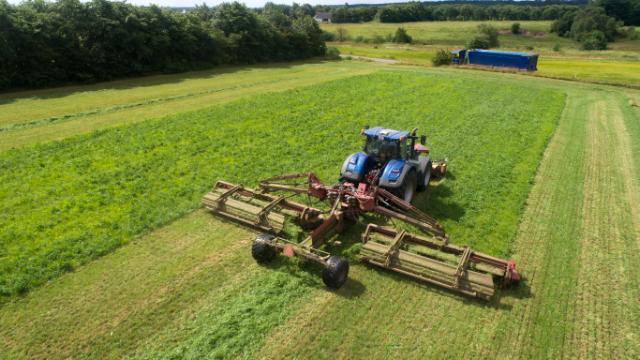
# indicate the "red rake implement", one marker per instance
pixel 428 257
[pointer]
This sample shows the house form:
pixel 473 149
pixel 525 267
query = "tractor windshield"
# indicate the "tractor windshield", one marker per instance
pixel 382 150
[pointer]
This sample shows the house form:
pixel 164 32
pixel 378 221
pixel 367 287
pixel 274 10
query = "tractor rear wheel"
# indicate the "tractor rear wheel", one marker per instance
pixel 335 272
pixel 262 249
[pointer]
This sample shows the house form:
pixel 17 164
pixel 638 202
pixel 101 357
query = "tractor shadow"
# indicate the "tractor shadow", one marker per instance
pixel 436 201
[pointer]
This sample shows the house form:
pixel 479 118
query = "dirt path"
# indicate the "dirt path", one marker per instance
pixel 374 59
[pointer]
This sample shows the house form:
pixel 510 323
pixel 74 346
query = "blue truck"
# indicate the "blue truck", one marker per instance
pixel 495 58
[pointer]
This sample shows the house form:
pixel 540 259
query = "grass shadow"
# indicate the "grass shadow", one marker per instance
pixel 436 200
pixel 139 81
pixel 440 291
pixel 520 291
pixel 310 274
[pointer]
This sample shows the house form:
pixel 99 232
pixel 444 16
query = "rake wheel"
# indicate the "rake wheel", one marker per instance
pixel 262 250
pixel 335 273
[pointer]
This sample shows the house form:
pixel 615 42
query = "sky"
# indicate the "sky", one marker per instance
pixel 250 3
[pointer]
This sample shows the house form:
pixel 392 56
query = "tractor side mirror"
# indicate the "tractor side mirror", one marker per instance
pixel 423 139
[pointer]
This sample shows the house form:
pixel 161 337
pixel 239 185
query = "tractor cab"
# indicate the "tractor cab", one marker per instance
pixel 383 150
pixel 390 159
pixel 458 56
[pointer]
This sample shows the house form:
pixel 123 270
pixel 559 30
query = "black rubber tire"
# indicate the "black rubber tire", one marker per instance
pixel 335 272
pixel 424 184
pixel 408 188
pixel 262 250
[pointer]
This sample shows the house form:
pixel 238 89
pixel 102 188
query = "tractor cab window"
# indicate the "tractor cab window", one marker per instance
pixel 382 150
pixel 405 149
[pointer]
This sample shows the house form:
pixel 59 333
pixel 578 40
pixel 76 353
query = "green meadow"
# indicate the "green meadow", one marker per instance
pixel 559 57
pixel 106 253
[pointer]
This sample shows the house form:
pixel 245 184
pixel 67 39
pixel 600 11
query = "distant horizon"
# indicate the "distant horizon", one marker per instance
pixel 249 3
pixel 261 3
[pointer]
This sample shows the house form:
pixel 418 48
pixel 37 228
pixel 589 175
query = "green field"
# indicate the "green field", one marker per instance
pixel 73 205
pixel 618 65
pixel 443 33
pixel 449 34
pixel 30 117
pixel 106 255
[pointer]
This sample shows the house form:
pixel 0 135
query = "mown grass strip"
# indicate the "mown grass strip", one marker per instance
pixel 114 305
pixel 87 98
pixel 547 247
pixel 106 110
pixel 241 321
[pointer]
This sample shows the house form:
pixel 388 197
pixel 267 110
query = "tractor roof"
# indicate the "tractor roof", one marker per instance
pixel 388 134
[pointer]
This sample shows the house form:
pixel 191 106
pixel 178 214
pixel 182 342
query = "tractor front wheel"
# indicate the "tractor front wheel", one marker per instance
pixel 262 249
pixel 408 189
pixel 335 272
pixel 424 184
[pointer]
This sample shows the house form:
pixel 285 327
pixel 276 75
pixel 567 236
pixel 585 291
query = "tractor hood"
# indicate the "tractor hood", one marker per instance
pixel 393 173
pixel 354 166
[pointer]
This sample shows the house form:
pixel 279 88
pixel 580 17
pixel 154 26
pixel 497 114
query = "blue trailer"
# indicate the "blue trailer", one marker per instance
pixel 495 58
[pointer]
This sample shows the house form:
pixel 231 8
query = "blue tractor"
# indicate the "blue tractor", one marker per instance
pixel 394 161
pixel 382 179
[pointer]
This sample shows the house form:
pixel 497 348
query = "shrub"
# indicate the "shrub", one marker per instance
pixel 342 34
pixel 595 40
pixel 359 39
pixel 328 36
pixel 592 19
pixel 562 26
pixel 478 42
pixel 529 47
pixel 591 26
pixel 491 34
pixel 515 28
pixel 631 33
pixel 332 53
pixel 442 57
pixel 378 39
pixel 401 36
pixel 556 47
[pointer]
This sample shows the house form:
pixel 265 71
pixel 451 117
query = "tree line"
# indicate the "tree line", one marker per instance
pixel 592 26
pixel 627 11
pixel 50 43
pixel 416 11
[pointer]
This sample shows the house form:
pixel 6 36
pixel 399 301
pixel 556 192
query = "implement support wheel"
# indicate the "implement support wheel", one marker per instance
pixel 262 250
pixel 335 272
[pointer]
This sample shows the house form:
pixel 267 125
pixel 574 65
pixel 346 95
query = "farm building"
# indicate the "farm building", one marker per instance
pixel 322 17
